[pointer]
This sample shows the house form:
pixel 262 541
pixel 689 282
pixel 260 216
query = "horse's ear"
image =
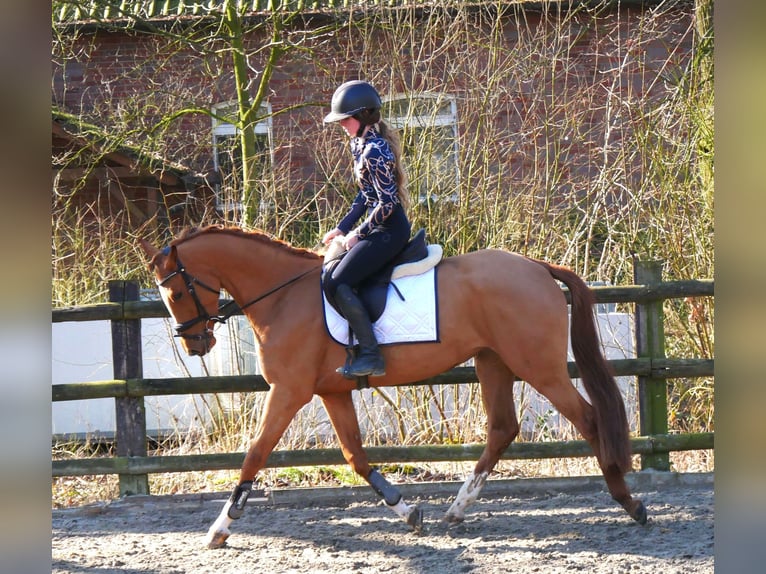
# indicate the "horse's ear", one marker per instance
pixel 171 259
pixel 149 250
pixel 155 256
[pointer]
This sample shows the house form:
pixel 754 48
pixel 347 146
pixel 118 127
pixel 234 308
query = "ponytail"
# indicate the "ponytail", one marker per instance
pixel 392 137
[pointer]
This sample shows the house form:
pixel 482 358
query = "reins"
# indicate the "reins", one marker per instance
pixel 225 316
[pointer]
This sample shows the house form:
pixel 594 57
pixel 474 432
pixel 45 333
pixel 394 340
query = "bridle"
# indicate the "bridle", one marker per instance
pixel 223 314
pixel 202 314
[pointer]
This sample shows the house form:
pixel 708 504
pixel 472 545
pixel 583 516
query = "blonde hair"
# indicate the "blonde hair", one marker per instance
pixel 392 137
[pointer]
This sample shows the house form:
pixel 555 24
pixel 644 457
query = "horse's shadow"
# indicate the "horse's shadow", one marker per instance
pixel 567 525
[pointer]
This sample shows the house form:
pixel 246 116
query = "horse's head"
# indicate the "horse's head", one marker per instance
pixel 194 310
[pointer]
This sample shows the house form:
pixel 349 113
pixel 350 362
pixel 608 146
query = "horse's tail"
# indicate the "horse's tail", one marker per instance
pixel 604 394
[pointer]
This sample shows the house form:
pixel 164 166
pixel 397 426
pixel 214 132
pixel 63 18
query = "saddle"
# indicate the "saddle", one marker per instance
pixel 416 257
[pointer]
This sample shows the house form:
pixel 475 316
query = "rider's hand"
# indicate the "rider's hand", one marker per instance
pixel 350 240
pixel 330 235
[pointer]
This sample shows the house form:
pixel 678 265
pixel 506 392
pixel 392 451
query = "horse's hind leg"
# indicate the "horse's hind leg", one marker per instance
pixel 496 382
pixel 564 396
pixel 340 409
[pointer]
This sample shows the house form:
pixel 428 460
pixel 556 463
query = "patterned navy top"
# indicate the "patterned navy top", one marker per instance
pixel 374 169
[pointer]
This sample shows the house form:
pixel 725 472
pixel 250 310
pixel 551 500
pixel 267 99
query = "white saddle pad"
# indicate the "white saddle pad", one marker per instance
pixel 413 320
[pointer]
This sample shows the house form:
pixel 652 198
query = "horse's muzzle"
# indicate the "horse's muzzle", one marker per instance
pixel 199 347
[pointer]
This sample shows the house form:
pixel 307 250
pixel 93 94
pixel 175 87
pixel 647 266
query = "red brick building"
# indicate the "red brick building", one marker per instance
pixel 540 99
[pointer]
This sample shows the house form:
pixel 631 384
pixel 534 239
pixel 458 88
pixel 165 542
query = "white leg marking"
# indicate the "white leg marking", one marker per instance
pixel 402 510
pixel 467 495
pixel 412 515
pixel 219 531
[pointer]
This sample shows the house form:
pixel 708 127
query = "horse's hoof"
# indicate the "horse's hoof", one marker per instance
pixel 453 519
pixel 217 539
pixel 639 512
pixel 415 520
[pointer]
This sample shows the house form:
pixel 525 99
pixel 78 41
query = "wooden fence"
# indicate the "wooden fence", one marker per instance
pixel 129 388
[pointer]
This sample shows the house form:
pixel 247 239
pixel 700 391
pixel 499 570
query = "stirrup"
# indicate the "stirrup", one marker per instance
pixel 347 370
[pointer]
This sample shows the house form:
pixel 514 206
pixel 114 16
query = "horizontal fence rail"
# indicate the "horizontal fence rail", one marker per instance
pixel 653 446
pixel 660 444
pixel 120 311
pixel 659 368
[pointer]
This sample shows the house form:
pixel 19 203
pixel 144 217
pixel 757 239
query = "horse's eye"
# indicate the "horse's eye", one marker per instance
pixel 176 295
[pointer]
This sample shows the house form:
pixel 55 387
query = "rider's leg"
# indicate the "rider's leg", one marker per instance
pixel 368 360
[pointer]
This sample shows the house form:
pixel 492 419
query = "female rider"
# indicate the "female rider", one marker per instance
pixel 382 200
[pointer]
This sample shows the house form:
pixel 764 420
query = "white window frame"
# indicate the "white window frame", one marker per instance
pixel 223 128
pixel 426 121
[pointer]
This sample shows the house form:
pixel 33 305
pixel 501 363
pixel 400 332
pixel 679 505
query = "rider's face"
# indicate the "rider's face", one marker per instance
pixel 350 125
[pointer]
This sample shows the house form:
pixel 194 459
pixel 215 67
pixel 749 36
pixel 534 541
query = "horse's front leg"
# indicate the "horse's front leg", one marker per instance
pixel 340 409
pixel 280 408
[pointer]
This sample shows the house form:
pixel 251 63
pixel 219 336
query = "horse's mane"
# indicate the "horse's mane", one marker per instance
pixel 255 235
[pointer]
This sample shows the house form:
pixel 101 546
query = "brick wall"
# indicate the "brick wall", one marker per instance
pixel 565 88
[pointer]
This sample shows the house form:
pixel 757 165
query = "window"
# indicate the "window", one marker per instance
pixel 227 154
pixel 428 128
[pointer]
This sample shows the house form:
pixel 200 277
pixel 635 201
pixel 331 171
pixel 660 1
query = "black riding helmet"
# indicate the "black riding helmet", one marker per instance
pixel 355 98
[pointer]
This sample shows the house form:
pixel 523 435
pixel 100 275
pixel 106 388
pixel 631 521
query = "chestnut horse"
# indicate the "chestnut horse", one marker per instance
pixel 504 310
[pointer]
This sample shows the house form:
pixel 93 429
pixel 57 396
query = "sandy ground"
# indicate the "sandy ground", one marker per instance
pixel 518 526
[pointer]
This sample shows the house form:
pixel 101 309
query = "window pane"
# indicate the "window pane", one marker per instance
pixel 227 114
pixel 419 110
pixel 428 129
pixel 228 155
pixel 228 159
pixel 262 155
pixel 227 152
pixel 429 156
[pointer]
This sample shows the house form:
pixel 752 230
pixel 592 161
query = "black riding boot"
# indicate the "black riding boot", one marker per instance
pixel 368 361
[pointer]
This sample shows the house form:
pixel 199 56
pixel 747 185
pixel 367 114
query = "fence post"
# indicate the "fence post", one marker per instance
pixel 130 412
pixel 650 343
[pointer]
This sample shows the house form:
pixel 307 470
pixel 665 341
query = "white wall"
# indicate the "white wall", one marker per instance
pixel 82 352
